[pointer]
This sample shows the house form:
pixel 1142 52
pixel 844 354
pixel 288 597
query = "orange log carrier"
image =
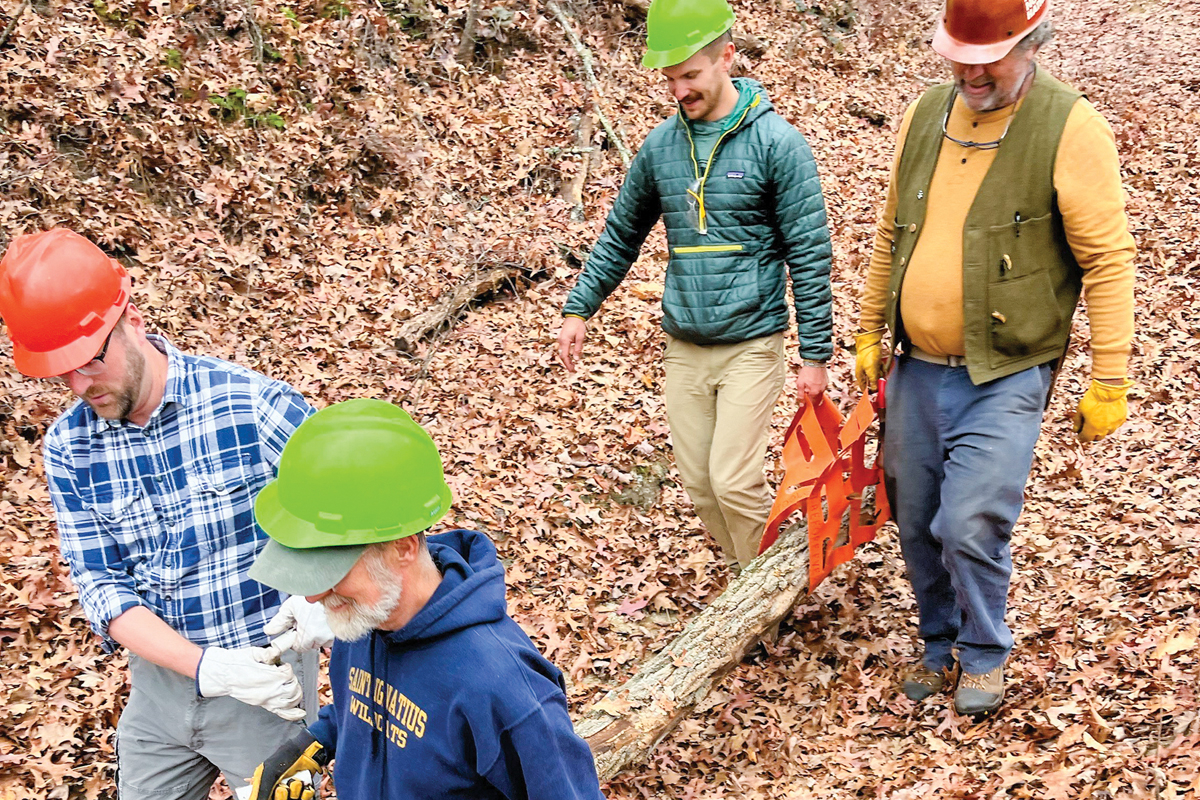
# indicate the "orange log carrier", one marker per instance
pixel 825 475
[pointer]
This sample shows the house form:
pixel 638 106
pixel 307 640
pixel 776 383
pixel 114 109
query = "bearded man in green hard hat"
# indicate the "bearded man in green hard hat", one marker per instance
pixel 737 190
pixel 437 693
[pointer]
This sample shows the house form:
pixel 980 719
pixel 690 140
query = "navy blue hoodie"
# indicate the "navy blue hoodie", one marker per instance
pixel 456 704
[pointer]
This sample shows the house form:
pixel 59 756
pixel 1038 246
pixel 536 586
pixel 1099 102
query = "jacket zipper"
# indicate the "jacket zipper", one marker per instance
pixel 708 248
pixel 702 222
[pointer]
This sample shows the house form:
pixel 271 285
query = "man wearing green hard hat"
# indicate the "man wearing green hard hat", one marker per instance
pixel 737 190
pixel 437 692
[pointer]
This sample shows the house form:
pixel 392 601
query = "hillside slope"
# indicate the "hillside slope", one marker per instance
pixel 288 183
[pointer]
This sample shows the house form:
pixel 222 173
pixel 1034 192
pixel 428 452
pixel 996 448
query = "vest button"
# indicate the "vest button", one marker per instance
pixel 912 227
pixel 902 260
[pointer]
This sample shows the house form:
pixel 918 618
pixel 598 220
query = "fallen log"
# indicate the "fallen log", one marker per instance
pixel 624 726
pixel 453 303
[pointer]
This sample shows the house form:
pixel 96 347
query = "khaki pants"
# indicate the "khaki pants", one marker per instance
pixel 171 743
pixel 719 404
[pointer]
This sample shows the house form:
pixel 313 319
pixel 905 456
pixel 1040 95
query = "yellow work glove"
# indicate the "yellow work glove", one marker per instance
pixel 295 789
pixel 301 752
pixel 868 359
pixel 1102 410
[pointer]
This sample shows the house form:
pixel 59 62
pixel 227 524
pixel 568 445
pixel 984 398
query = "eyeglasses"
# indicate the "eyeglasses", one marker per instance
pixel 96 365
pixel 976 145
pixel 695 207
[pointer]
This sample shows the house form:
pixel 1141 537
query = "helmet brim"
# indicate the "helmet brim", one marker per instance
pixel 947 46
pixel 304 572
pixel 298 533
pixel 661 59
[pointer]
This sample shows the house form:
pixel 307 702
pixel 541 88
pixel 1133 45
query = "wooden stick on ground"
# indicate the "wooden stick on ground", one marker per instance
pixel 452 304
pixel 585 56
pixel 13 22
pixel 624 726
pixel 573 191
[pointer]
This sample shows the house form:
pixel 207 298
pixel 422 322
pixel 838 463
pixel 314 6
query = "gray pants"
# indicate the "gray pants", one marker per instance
pixel 171 743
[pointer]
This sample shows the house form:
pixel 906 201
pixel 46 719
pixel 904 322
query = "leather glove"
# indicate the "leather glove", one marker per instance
pixel 293 789
pixel 1102 410
pixel 252 675
pixel 868 359
pixel 299 625
pixel 301 752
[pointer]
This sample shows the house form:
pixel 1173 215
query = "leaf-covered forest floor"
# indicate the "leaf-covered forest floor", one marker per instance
pixel 289 182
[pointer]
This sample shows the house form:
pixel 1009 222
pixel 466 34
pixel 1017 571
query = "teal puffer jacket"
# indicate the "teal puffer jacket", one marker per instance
pixel 756 212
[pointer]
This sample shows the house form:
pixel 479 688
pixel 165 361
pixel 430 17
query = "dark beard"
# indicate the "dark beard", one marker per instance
pixel 136 370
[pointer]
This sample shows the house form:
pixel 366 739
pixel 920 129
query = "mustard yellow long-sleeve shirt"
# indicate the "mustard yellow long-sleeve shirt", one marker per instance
pixel 1090 197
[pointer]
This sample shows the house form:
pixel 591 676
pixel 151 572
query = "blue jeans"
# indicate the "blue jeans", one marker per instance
pixel 956 458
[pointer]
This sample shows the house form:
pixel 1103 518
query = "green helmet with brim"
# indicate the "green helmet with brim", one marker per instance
pixel 353 474
pixel 678 29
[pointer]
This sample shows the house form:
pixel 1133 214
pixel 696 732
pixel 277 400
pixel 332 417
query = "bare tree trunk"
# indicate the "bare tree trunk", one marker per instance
pixel 624 726
pixel 466 45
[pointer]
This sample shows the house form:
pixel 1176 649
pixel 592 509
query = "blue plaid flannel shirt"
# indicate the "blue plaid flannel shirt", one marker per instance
pixel 162 516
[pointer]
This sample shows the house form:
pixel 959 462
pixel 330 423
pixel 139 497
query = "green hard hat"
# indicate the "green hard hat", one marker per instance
pixel 352 474
pixel 678 29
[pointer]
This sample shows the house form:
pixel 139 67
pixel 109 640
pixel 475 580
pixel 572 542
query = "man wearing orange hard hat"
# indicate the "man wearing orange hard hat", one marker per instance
pixel 153 473
pixel 1005 203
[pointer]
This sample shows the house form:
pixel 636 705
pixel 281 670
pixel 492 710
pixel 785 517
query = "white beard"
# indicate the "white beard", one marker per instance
pixel 350 620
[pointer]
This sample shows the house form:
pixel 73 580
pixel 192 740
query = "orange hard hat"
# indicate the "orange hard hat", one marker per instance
pixel 60 297
pixel 983 31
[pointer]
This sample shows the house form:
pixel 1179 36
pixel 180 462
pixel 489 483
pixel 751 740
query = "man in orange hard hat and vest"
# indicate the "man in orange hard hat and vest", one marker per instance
pixel 153 474
pixel 1005 202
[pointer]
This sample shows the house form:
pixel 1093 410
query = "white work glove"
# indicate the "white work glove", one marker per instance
pixel 298 626
pixel 252 675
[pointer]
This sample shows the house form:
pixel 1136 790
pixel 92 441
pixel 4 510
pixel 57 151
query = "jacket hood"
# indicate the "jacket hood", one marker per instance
pixel 752 100
pixel 471 592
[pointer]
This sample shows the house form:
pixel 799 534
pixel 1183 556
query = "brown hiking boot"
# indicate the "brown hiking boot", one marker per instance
pixel 922 682
pixel 978 696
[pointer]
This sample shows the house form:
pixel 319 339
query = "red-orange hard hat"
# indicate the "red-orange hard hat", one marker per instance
pixel 983 31
pixel 60 297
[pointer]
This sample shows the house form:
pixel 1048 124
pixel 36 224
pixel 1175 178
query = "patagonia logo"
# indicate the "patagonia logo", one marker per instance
pixel 735 174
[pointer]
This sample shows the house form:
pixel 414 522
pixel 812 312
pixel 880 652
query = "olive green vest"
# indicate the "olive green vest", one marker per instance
pixel 1020 280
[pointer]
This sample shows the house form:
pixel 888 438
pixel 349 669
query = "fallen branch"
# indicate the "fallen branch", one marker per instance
pixel 12 24
pixel 257 50
pixel 573 191
pixel 450 305
pixel 876 118
pixel 626 724
pixel 585 56
pixel 465 53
